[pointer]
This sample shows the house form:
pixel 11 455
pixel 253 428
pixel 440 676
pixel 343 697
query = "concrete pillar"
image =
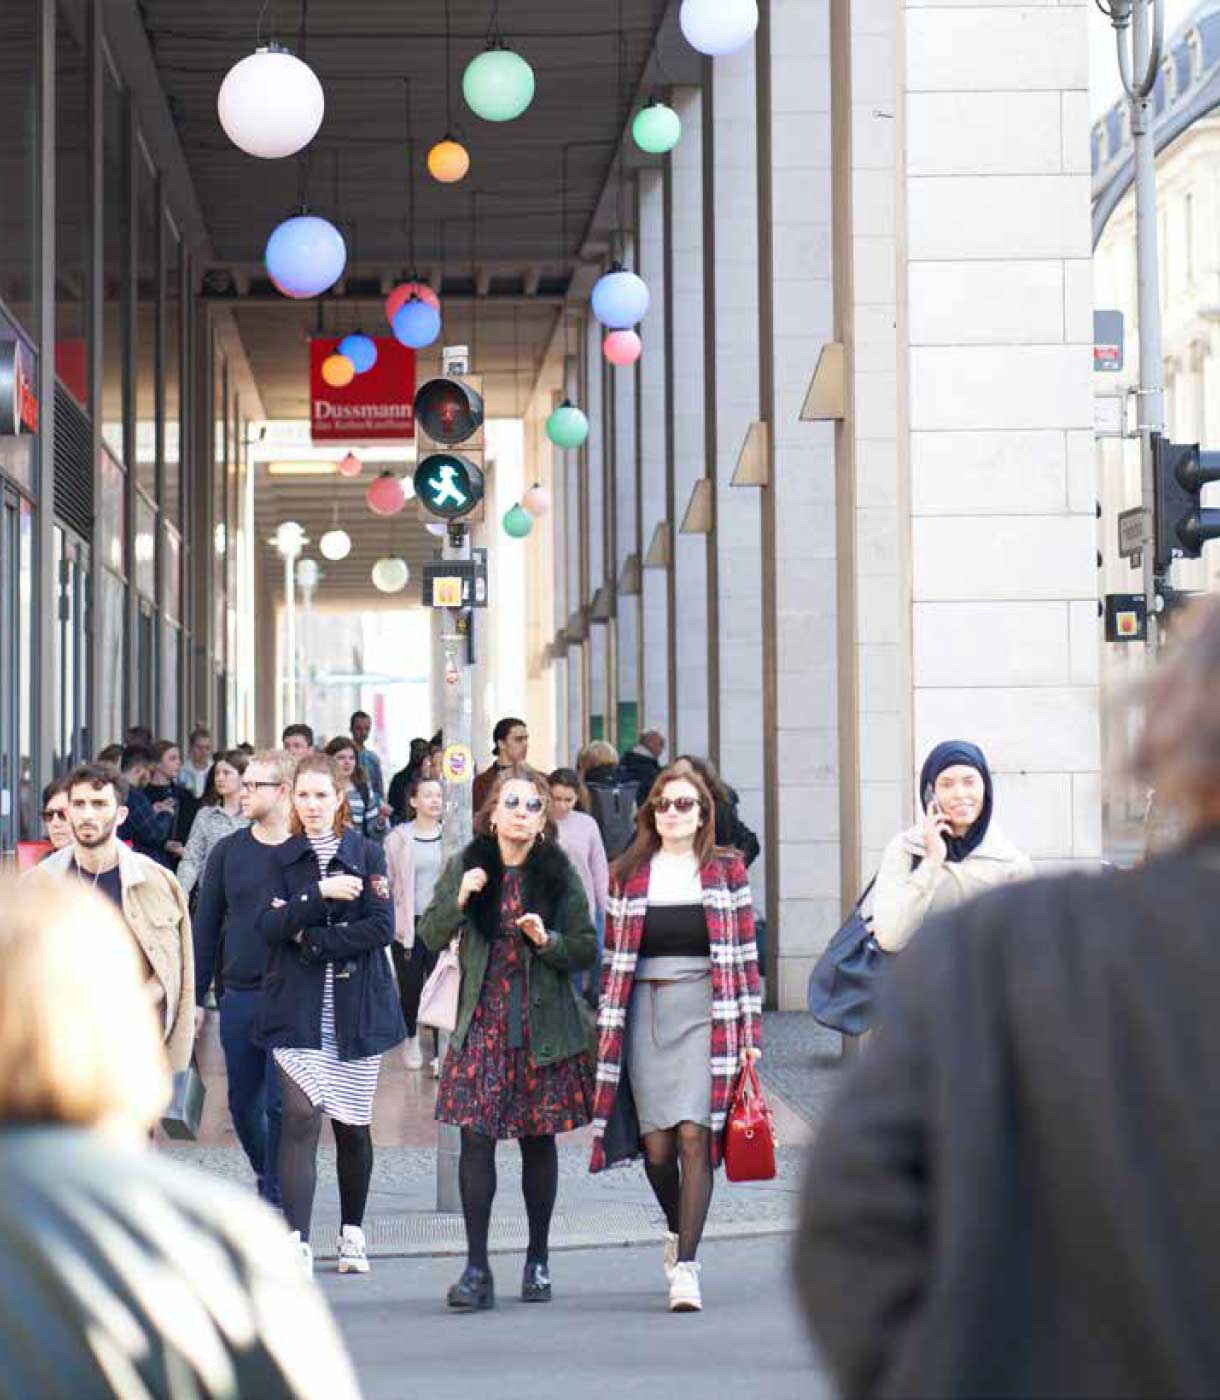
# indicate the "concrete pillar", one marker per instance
pixel 654 612
pixel 595 540
pixel 627 611
pixel 573 667
pixel 685 305
pixel 738 509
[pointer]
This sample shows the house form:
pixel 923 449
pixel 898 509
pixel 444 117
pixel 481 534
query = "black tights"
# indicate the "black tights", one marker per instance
pixel 299 1160
pixel 477 1178
pixel 678 1164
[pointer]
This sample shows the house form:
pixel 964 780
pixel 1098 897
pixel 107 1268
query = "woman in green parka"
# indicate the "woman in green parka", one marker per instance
pixel 518 1064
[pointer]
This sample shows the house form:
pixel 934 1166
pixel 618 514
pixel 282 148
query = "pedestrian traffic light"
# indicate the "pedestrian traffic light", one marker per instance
pixel 1183 524
pixel 449 413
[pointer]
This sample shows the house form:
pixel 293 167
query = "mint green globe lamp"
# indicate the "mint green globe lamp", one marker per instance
pixel 657 128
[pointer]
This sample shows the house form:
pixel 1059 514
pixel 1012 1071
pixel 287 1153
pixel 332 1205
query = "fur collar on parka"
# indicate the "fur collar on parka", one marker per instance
pixel 547 874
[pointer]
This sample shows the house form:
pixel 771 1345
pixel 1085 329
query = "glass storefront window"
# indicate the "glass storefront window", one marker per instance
pixel 170 651
pixel 111 601
pixel 148 282
pixel 173 377
pixel 112 512
pixel 73 209
pixel 145 572
pixel 171 574
pixel 114 265
pixel 18 158
pixel 29 819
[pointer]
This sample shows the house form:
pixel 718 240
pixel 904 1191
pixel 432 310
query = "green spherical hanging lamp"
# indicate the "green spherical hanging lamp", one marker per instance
pixel 498 84
pixel 657 128
pixel 567 427
pixel 517 522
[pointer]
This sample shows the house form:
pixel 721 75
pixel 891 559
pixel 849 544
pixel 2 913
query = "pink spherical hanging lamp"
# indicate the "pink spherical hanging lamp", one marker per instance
pixel 403 293
pixel 386 495
pixel 622 348
pixel 351 465
pixel 537 500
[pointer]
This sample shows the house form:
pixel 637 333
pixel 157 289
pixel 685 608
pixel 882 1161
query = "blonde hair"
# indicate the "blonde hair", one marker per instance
pixel 79 1039
pixel 596 755
pixel 280 761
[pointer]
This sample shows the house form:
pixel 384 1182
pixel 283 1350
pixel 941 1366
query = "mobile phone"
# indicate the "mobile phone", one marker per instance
pixel 929 801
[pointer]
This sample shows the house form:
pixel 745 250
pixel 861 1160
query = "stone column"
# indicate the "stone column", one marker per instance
pixel 594 486
pixel 623 384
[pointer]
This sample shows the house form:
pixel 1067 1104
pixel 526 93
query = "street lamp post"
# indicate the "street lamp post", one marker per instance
pixel 1138 33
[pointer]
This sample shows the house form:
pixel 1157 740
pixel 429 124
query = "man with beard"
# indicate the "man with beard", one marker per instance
pixel 232 894
pixel 147 895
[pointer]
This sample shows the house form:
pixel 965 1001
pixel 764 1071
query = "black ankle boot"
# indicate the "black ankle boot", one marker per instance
pixel 535 1283
pixel 475 1291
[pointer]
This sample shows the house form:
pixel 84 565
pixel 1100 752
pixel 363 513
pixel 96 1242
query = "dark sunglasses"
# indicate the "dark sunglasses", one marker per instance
pixel 51 813
pixel 532 804
pixel 677 804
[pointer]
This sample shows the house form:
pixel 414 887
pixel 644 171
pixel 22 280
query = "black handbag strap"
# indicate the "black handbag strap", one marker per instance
pixel 868 889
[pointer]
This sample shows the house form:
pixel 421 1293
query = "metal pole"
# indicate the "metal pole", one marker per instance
pixel 1145 20
pixel 290 626
pixel 457 722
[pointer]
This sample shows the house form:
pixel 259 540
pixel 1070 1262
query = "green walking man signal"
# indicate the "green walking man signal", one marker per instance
pixel 449 413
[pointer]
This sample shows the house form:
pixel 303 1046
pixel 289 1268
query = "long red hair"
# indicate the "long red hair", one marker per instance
pixel 321 763
pixel 647 840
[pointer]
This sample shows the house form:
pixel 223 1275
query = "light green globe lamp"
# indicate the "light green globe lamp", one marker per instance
pixel 567 427
pixel 657 128
pixel 517 522
pixel 498 84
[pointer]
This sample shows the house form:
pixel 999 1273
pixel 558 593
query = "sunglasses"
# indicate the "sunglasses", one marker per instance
pixel 532 805
pixel 55 814
pixel 676 804
pixel 254 787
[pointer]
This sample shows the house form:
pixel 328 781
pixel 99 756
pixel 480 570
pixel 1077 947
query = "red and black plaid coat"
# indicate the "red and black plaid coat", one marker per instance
pixel 736 999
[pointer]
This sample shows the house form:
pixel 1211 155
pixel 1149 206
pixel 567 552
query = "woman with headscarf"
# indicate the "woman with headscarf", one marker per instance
pixel 955 852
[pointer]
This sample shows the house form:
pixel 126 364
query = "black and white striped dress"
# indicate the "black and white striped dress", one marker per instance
pixel 342 1089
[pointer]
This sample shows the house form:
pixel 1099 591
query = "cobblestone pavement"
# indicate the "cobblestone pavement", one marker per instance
pixel 802 1062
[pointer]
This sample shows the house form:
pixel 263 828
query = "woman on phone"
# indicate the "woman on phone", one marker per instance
pixel 954 852
pixel 329 1007
pixel 518 1064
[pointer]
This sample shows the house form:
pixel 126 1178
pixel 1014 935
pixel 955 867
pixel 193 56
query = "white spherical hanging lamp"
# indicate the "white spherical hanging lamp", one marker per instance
pixel 620 299
pixel 335 545
pixel 718 27
pixel 390 575
pixel 271 104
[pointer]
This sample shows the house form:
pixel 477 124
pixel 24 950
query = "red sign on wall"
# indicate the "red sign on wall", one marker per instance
pixel 377 406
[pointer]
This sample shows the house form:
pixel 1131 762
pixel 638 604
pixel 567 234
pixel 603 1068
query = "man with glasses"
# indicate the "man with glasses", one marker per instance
pixel 232 895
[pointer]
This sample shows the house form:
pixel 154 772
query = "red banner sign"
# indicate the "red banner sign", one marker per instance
pixel 377 406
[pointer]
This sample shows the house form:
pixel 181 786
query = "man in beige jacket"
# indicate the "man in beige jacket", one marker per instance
pixel 148 896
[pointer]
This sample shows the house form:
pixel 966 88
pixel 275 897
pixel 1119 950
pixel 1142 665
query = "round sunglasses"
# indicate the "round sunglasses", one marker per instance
pixel 532 805
pixel 676 804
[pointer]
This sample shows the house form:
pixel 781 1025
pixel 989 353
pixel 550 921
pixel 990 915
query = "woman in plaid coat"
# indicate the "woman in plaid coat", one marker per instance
pixel 680 1012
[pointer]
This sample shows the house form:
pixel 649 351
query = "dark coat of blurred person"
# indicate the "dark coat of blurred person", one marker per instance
pixel 1013 1193
pixel 121 1272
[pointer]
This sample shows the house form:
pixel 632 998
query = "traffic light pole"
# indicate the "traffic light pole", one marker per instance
pixel 457 722
pixel 1138 67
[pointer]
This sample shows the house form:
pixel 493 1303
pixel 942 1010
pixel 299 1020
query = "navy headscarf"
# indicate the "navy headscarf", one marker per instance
pixel 953 754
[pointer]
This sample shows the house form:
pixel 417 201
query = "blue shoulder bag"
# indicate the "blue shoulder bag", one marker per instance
pixel 845 979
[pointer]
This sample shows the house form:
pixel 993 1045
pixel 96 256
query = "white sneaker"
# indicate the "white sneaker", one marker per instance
pixel 671 1255
pixel 353 1252
pixel 412 1055
pixel 436 1067
pixel 305 1251
pixel 684 1293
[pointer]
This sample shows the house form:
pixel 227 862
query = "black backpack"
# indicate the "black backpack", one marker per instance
pixel 613 809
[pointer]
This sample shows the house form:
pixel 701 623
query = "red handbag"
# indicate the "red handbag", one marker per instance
pixel 749 1135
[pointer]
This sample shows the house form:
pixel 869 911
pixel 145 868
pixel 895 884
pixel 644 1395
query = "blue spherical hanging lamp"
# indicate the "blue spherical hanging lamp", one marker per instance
pixel 361 349
pixel 498 84
pixel 620 299
pixel 416 323
pixel 305 256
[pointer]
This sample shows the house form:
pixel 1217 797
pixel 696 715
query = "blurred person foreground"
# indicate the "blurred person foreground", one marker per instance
pixel 1008 1196
pixel 122 1274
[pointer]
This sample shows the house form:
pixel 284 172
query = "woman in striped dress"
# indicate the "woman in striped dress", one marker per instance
pixel 330 1008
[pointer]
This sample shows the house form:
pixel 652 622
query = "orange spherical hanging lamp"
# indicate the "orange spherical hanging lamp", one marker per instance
pixel 338 371
pixel 448 161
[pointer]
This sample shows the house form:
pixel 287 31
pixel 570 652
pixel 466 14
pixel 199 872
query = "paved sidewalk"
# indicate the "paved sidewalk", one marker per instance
pixel 613 1208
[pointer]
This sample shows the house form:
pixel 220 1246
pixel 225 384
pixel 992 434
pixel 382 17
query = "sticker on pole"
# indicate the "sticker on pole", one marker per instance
pixel 457 764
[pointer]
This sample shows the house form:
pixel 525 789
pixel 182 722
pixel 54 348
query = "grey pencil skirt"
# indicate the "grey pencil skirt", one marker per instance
pixel 669 1043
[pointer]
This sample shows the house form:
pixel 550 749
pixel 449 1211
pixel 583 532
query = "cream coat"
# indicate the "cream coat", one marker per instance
pixel 155 911
pixel 399 847
pixel 904 897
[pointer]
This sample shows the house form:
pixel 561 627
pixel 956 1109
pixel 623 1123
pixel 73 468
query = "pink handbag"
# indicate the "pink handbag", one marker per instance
pixel 438 1002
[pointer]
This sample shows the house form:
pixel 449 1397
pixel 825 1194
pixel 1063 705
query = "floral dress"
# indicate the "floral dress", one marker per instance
pixel 493 1085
